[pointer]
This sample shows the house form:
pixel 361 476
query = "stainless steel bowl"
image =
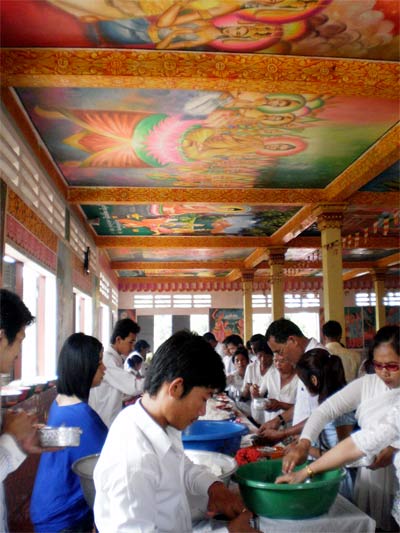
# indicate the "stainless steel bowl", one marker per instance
pixel 59 436
pixel 84 468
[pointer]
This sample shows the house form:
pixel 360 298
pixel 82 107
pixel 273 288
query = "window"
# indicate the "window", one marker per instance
pixel 199 324
pixel 307 321
pixel 260 322
pixel 168 301
pixel 365 299
pixel 39 295
pixel 83 313
pixel 162 329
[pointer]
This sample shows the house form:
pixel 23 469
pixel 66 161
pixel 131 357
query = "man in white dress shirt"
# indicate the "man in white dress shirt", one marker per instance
pixel 143 477
pixel 117 385
pixel 285 338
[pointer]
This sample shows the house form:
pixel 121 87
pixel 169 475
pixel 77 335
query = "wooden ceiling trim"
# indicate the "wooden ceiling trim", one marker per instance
pixel 293 227
pixel 140 195
pixel 371 163
pixel 391 260
pixel 256 257
pixel 373 242
pixel 47 67
pixel 374 199
pixel 183 242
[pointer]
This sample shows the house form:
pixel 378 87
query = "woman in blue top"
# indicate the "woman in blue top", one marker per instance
pixel 57 502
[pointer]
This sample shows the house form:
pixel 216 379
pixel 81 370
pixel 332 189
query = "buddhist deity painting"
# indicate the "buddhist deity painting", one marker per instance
pixel 177 255
pixel 342 28
pixel 189 138
pixel 224 322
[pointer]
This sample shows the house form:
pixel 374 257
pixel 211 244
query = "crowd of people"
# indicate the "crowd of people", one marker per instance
pixel 319 403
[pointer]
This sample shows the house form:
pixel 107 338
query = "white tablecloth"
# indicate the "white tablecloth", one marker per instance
pixel 342 517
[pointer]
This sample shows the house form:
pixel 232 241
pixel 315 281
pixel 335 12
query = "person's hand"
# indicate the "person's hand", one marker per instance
pixel 271 435
pixel 384 458
pixel 295 456
pixel 273 405
pixel 223 501
pixel 23 427
pixel 271 424
pixel 241 523
pixel 293 477
pixel 254 391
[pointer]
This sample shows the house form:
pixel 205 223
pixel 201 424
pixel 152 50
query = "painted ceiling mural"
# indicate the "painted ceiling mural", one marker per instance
pixel 333 28
pixel 179 255
pixel 187 219
pixel 176 138
pixel 194 137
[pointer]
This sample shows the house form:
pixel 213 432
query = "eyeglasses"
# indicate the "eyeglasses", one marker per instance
pixel 390 367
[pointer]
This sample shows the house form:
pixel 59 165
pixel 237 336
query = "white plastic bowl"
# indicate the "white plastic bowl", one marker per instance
pixel 220 464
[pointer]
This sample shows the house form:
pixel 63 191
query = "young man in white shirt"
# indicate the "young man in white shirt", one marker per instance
pixel 19 434
pixel 117 385
pixel 143 477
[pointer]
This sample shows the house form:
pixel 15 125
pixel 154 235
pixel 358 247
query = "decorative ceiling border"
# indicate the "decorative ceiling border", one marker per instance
pixel 46 67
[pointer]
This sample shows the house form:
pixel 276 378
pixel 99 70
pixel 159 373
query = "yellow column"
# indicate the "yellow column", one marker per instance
pixel 247 281
pixel 330 219
pixel 378 277
pixel 276 262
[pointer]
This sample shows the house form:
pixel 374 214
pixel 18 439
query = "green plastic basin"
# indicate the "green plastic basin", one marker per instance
pixel 303 500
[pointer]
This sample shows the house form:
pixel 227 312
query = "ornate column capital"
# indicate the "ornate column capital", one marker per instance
pixel 378 274
pixel 329 215
pixel 276 255
pixel 247 275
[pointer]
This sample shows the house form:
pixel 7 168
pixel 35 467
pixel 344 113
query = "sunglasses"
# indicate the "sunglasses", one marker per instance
pixel 390 367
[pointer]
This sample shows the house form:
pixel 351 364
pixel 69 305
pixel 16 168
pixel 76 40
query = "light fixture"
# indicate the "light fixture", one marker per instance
pixel 86 257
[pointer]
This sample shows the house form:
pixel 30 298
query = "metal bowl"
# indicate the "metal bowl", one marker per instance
pixel 10 397
pixel 59 436
pixel 84 468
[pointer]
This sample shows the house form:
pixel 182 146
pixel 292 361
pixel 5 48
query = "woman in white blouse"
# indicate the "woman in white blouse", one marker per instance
pixel 366 442
pixel 370 396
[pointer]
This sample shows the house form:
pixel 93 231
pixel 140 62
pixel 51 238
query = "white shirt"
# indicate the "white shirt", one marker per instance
pixel 374 438
pixel 369 395
pixel 11 456
pixel 272 384
pixel 350 359
pixel 253 373
pixel 142 477
pixel 117 386
pixel 305 402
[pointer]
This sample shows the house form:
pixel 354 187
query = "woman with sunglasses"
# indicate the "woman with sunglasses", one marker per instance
pixel 371 396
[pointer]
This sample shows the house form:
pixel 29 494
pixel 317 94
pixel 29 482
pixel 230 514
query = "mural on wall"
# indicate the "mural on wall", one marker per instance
pixel 177 254
pixel 224 322
pixel 361 324
pixel 334 28
pixel 185 138
pixel 187 219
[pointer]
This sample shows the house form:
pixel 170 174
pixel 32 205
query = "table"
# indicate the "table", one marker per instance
pixel 342 517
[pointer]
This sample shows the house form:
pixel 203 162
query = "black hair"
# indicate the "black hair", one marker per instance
pixel 282 329
pixel 14 314
pixel 263 346
pixel 255 341
pixel 241 351
pixel 209 336
pixel 141 345
pixel 387 334
pixel 188 356
pixel 134 361
pixel 328 369
pixel 332 329
pixel 77 365
pixel 122 329
pixel 233 339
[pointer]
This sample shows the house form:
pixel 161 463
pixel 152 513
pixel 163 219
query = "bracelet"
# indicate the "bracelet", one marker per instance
pixel 282 420
pixel 309 471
